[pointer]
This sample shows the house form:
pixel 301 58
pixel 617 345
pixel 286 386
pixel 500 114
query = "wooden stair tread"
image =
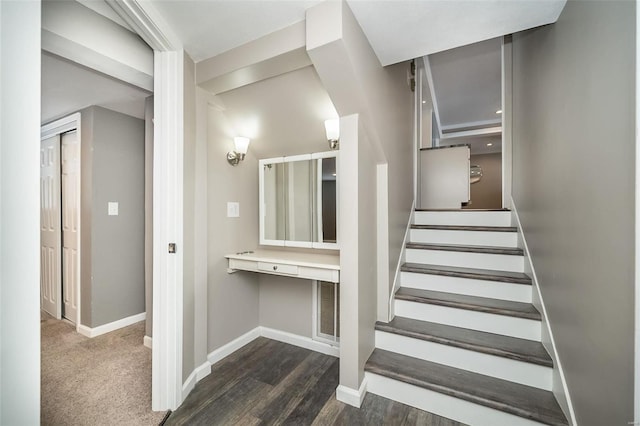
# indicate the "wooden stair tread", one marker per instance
pixel 466 228
pixel 473 303
pixel 510 251
pixel 463 210
pixel 464 338
pixel 471 273
pixel 520 400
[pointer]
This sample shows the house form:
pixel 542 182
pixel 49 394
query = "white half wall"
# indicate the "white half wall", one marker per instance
pixel 19 213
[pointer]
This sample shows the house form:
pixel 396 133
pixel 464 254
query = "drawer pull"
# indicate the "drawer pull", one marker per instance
pixel 275 268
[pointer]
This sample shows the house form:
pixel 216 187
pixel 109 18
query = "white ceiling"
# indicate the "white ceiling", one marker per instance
pixel 208 28
pixel 404 29
pixel 467 83
pixel 398 30
pixel 67 88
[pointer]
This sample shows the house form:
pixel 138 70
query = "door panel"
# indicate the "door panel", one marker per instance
pixel 50 232
pixel 70 164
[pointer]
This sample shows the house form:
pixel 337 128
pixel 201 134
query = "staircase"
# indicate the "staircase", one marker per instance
pixel 465 341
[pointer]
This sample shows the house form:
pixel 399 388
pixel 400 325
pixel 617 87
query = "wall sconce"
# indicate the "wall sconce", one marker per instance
pixel 241 147
pixel 332 127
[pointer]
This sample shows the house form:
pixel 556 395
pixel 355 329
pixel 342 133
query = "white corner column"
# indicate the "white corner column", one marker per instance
pixel 20 213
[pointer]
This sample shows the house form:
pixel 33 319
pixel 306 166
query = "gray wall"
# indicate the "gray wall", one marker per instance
pixel 285 304
pixel 286 116
pixel 233 298
pixel 487 193
pixel 573 186
pixel 112 246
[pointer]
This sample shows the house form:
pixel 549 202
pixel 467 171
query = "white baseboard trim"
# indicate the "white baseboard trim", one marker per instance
pixel 148 342
pixel 565 398
pixel 233 346
pixel 351 396
pixel 401 260
pixel 300 341
pixel 112 326
pixel 196 375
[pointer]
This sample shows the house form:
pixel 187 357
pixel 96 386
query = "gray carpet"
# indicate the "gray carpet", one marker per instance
pixel 101 381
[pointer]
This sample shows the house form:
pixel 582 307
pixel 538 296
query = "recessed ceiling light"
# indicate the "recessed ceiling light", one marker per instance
pixel 333 174
pixel 489 144
pixel 424 102
pixel 499 111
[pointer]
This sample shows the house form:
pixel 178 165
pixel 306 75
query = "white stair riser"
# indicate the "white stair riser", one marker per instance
pixel 499 262
pixel 467 286
pixel 441 404
pixel 465 218
pixel 469 238
pixel 490 365
pixel 481 321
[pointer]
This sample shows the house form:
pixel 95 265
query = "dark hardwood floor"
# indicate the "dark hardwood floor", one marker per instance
pixel 268 382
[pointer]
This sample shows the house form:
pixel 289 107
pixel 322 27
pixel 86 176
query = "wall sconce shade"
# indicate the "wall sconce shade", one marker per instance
pixel 241 146
pixel 332 128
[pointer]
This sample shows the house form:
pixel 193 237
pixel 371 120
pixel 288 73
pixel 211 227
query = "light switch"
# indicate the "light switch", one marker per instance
pixel 112 208
pixel 233 209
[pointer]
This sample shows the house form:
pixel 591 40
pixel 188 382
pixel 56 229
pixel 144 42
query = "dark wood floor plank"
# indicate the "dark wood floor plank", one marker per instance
pixel 286 396
pixel 303 394
pixel 310 406
pixel 223 377
pixel 232 406
pixel 329 413
pixel 283 359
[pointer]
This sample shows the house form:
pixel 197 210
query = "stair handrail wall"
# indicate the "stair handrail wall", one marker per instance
pixel 401 261
pixel 560 388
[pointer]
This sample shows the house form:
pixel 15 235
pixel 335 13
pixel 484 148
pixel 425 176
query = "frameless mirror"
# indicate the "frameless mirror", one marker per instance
pixel 298 201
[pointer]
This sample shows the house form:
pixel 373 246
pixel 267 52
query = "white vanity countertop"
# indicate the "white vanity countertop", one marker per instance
pixel 313 260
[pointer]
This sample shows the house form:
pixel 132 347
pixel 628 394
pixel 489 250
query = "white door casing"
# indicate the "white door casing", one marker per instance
pixel 50 229
pixel 70 184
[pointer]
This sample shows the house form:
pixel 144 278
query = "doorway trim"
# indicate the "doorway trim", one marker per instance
pixel 57 128
pixel 168 141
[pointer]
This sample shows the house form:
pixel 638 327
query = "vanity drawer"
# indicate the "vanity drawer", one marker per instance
pixel 278 268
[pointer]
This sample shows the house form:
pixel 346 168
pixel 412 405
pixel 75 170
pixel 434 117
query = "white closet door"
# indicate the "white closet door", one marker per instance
pixel 50 232
pixel 70 154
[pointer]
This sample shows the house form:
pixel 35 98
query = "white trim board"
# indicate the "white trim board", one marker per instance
pixel 273 334
pixel 199 373
pixel 112 326
pixel 351 396
pixel 229 348
pixel 300 341
pixel 148 342
pixel 397 281
pixel 564 399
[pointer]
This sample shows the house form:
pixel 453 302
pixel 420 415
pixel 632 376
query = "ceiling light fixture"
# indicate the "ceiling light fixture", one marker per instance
pixel 490 144
pixel 424 102
pixel 499 111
